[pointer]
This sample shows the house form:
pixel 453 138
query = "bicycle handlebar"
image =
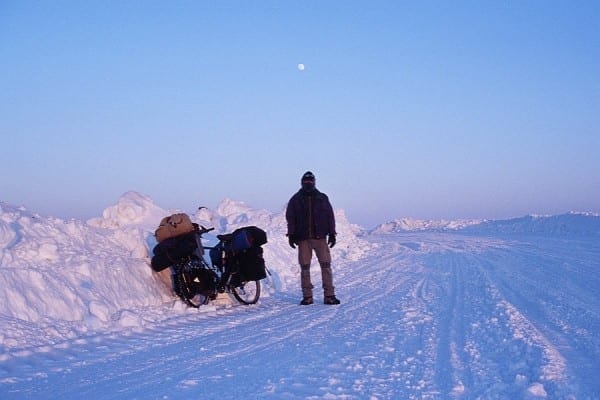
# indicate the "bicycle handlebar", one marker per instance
pixel 204 229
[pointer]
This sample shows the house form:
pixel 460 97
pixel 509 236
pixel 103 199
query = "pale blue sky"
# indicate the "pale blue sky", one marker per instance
pixel 476 109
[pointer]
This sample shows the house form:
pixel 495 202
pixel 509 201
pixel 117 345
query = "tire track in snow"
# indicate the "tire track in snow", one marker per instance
pixel 501 335
pixel 476 331
pixel 530 280
pixel 451 369
pixel 390 353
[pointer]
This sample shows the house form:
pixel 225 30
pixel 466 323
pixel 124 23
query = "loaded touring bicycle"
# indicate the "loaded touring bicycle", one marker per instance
pixel 236 262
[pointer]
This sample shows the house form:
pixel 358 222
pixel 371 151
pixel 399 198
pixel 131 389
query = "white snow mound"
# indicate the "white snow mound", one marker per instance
pixel 64 277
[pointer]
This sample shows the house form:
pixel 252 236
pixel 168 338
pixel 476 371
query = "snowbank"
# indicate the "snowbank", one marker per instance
pixel 62 278
pixel 570 224
pixel 411 225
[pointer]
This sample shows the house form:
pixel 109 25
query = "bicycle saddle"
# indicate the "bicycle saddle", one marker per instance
pixel 227 237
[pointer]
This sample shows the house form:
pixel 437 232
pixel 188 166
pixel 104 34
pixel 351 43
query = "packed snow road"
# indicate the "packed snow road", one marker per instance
pixel 426 316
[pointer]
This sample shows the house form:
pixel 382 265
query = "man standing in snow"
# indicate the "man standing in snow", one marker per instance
pixel 311 227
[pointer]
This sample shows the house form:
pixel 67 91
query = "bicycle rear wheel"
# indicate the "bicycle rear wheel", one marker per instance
pixel 247 292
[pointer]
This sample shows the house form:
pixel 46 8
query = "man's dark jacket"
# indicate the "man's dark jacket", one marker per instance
pixel 313 206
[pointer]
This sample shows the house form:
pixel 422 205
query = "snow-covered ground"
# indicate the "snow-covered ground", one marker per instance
pixel 430 310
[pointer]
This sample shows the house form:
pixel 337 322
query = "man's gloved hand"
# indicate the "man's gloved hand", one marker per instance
pixel 331 240
pixel 293 241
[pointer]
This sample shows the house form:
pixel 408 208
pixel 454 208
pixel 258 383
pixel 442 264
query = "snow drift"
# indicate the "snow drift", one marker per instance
pixel 569 224
pixel 63 278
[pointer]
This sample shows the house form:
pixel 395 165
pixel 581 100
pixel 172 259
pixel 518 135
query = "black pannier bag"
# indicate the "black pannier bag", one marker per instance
pixel 251 264
pixel 243 251
pixel 201 281
pixel 247 237
pixel 172 250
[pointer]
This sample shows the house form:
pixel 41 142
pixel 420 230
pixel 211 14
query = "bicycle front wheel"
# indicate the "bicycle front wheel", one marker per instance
pixel 247 292
pixel 188 293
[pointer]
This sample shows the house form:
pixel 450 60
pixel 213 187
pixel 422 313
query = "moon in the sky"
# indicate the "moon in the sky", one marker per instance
pixel 301 67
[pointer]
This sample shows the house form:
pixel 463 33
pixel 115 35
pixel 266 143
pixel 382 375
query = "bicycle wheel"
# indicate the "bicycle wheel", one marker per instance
pixel 188 293
pixel 247 292
pixel 194 283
